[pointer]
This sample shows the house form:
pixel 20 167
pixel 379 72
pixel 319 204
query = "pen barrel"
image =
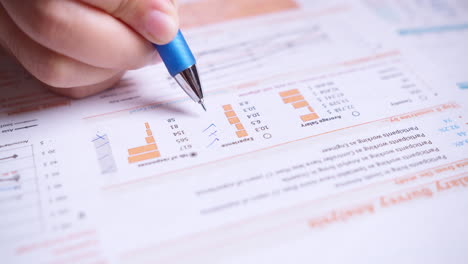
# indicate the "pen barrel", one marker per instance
pixel 176 55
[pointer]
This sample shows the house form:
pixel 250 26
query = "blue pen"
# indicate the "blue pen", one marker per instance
pixel 180 63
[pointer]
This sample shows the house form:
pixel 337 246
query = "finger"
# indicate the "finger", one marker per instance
pixel 84 91
pixel 156 20
pixel 49 67
pixel 81 32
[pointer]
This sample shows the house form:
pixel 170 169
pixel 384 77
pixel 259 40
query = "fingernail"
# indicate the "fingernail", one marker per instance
pixel 161 26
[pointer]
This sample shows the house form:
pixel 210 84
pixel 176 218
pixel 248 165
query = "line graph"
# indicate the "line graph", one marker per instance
pixel 19 194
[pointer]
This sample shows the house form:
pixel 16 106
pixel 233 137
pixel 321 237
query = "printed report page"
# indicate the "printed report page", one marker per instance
pixel 326 139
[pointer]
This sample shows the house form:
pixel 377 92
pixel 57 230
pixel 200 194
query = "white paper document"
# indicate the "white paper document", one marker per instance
pixel 327 139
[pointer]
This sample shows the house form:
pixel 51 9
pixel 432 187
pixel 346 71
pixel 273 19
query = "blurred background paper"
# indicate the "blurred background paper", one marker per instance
pixel 201 12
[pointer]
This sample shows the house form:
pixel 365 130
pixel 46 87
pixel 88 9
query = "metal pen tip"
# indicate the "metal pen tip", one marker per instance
pixel 202 104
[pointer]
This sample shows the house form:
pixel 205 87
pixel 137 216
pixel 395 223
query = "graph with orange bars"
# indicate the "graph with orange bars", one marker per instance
pixel 145 152
pixel 235 121
pixel 297 100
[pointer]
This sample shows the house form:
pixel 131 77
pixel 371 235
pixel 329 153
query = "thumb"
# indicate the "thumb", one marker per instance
pixel 156 20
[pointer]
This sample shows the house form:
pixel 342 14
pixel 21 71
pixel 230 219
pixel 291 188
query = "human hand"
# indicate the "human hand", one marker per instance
pixel 81 47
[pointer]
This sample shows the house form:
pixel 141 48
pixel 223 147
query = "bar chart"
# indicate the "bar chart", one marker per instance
pixel 234 120
pixel 147 151
pixel 297 100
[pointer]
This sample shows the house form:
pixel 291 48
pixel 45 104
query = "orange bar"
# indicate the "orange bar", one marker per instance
pixel 291 99
pixel 239 126
pixel 311 109
pixel 309 117
pixel 149 132
pixel 289 93
pixel 149 140
pixel 145 156
pixel 300 104
pixel 147 125
pixel 138 150
pixel 227 107
pixel 230 114
pixel 241 133
pixel 234 120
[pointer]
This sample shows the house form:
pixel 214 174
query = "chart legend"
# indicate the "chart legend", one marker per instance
pixel 235 121
pixel 297 100
pixel 145 152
